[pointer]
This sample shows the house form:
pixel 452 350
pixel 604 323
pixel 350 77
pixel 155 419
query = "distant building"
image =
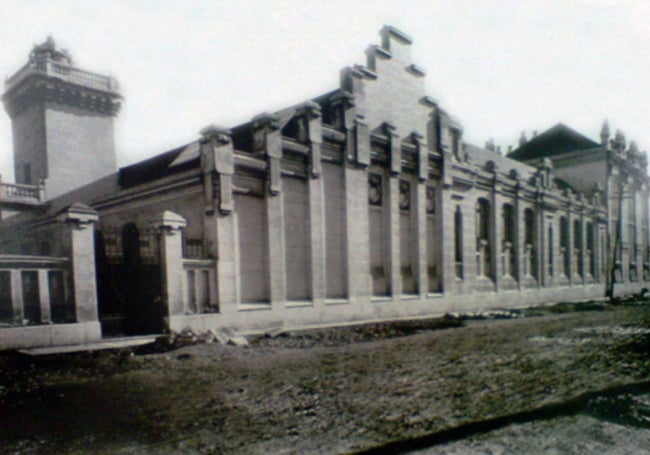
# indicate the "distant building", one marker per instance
pixel 362 204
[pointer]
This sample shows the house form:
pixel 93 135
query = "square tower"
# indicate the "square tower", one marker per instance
pixel 62 121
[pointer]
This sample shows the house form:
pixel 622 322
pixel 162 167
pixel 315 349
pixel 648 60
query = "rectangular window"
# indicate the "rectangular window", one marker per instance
pixel 458 242
pixel 27 174
pixel 6 307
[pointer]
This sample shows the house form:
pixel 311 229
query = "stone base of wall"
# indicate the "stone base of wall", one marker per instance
pixel 49 335
pixel 258 318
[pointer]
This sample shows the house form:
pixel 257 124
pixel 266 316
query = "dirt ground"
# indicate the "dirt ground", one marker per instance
pixel 564 379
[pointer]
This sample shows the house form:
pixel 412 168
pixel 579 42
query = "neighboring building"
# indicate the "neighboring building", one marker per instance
pixel 362 204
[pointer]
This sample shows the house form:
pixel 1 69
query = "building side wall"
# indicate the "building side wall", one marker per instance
pixel 29 138
pixel 80 147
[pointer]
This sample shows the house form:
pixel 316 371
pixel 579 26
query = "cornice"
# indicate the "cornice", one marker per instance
pixel 37 88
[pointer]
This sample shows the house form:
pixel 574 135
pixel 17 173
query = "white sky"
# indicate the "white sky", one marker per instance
pixel 501 66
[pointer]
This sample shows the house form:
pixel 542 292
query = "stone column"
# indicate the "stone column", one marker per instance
pixel 573 271
pixel 79 220
pixel 495 244
pixel 169 226
pixel 446 218
pixel 44 295
pixel 17 296
pixel 624 240
pixel 394 241
pixel 638 220
pixel 583 247
pixel 268 143
pixel 421 238
pixel 393 213
pixel 316 204
pixel 219 227
pixel 542 249
pixel 356 202
pixel 518 239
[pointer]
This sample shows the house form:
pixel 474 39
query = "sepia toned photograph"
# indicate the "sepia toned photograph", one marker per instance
pixel 343 227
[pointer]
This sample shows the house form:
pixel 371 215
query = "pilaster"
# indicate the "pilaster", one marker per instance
pixel 217 164
pixel 421 238
pixel 268 143
pixel 169 226
pixel 393 214
pixel 79 220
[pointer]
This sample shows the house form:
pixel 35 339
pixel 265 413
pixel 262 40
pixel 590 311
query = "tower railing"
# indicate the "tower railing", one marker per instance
pixel 63 71
pixel 15 192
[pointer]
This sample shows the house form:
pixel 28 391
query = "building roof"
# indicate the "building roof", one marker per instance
pixel 159 166
pixel 554 141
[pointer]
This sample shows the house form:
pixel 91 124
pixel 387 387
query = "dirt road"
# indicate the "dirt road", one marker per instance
pixel 339 390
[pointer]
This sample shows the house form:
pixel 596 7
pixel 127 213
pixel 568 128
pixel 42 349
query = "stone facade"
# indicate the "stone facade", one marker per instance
pixel 362 204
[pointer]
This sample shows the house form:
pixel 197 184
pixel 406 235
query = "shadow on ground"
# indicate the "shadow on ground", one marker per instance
pixel 617 404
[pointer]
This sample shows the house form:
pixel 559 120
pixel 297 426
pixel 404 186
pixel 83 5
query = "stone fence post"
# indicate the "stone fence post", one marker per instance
pixel 169 226
pixel 79 220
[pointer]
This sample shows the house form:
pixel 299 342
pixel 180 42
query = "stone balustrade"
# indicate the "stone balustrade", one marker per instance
pixel 34 290
pixel 51 68
pixel 200 292
pixel 15 192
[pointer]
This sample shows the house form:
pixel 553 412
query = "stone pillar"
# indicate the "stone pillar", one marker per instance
pixel 495 244
pixel 217 163
pixel 219 221
pixel 583 247
pixel 420 217
pixel 170 226
pixel 623 230
pixel 638 220
pixel 44 296
pixel 421 238
pixel 542 250
pixel 447 249
pixel 268 142
pixel 316 204
pixel 394 241
pixel 79 220
pixel 518 240
pixel 17 296
pixel 356 197
pixel 571 249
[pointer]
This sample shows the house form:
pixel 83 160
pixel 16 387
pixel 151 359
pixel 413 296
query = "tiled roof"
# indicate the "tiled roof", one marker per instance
pixel 554 141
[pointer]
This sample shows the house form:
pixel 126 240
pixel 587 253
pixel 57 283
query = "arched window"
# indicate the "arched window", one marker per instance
pixel 483 247
pixel 551 257
pixel 458 242
pixel 577 246
pixel 565 255
pixel 530 252
pixel 509 256
pixel 591 253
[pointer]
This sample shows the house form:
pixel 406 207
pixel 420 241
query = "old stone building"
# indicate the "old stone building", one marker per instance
pixel 362 204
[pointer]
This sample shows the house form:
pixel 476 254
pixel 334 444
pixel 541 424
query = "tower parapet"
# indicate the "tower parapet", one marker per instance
pixel 62 121
pixel 51 72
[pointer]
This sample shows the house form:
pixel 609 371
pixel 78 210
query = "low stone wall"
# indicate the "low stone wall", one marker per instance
pixel 260 317
pixel 49 335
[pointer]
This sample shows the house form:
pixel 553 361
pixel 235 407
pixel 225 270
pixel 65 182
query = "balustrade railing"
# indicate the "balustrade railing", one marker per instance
pixel 34 290
pixel 22 193
pixel 62 71
pixel 200 286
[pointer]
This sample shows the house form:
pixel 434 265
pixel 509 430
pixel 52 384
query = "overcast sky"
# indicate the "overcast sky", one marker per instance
pixel 501 66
